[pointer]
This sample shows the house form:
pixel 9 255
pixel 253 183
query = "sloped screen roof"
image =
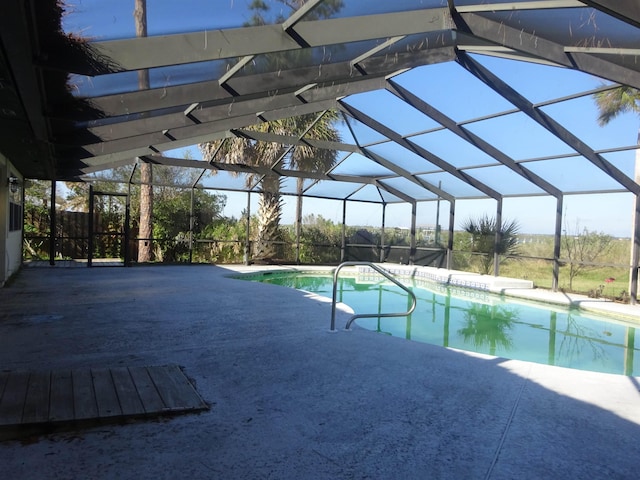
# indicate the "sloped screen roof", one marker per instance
pixel 437 99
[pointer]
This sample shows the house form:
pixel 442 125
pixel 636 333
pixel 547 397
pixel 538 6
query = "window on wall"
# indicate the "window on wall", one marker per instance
pixel 15 206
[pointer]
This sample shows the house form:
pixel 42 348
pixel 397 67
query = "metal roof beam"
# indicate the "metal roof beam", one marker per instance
pixel 625 10
pixel 417 149
pixel 395 191
pixel 532 44
pixel 164 50
pixel 511 6
pixel 210 93
pixel 148 131
pixel 295 140
pixel 544 120
pixel 183 136
pixel 355 63
pixel 405 174
pixel 255 169
pixel 471 138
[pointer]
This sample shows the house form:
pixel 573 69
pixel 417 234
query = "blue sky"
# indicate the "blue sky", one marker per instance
pixel 516 135
pixel 456 93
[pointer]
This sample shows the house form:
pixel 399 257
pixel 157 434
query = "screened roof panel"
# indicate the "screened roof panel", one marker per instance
pixel 114 19
pixel 357 164
pixel 402 157
pixel 452 185
pixel 453 149
pixel 336 190
pixel 573 115
pixel 371 193
pixel 363 134
pixel 583 27
pixel 505 180
pixel 306 57
pixel 518 74
pixel 574 174
pixel 420 42
pixel 353 8
pixel 412 77
pixel 519 137
pixel 409 188
pixel 289 185
pixel 624 161
pixel 159 78
pixel 395 114
pixel 118 174
pixel 221 179
pixel 453 91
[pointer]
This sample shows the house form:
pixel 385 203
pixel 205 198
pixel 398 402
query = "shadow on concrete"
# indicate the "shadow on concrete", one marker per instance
pixel 289 400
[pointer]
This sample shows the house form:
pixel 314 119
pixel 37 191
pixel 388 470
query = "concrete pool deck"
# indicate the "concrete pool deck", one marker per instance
pixel 290 400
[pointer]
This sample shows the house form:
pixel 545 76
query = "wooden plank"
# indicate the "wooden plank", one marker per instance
pixel 151 400
pixel 84 397
pixel 130 402
pixel 12 402
pixel 61 398
pixel 106 397
pixel 175 389
pixel 36 405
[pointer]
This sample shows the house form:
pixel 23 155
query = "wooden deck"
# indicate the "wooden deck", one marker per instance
pixel 40 401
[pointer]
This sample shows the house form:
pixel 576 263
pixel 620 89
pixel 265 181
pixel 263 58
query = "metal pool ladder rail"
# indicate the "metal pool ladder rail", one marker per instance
pixel 382 272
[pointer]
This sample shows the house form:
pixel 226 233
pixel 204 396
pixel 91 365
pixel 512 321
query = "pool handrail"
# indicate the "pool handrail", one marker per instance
pixel 382 272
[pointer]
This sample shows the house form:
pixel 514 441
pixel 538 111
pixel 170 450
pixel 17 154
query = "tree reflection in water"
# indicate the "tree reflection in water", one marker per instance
pixel 488 325
pixel 572 340
pixel 575 338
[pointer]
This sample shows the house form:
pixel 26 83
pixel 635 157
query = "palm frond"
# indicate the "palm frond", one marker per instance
pixel 616 101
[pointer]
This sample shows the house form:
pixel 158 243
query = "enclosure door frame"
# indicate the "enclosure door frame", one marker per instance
pixel 127 231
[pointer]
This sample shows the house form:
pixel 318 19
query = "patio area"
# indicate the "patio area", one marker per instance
pixel 287 398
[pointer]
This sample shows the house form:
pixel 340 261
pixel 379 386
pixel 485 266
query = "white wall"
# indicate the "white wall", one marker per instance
pixel 10 242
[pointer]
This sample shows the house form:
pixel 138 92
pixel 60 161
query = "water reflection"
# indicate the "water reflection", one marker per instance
pixel 484 323
pixel 488 325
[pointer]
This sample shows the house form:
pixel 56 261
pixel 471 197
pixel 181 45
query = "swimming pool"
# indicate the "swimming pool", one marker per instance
pixel 481 322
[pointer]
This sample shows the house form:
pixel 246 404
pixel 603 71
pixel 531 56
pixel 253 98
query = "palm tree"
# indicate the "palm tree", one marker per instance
pixel 611 103
pixel 483 234
pixel 243 150
pixel 301 156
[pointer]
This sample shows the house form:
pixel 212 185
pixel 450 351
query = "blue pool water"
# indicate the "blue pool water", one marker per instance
pixel 481 322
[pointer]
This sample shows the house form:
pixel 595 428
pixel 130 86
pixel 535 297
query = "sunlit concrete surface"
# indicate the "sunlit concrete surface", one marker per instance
pixel 291 400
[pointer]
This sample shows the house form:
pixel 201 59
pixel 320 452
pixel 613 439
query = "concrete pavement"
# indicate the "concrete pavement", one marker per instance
pixel 289 399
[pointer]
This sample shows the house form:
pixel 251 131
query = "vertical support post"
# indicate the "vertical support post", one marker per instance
pixel 90 241
pixel 635 234
pixel 298 225
pixel 191 223
pixel 498 239
pixel 635 253
pixel 437 239
pixel 53 226
pixel 383 256
pixel 452 220
pixel 23 196
pixel 343 249
pixel 412 238
pixel 247 241
pixel 557 239
pixel 127 227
